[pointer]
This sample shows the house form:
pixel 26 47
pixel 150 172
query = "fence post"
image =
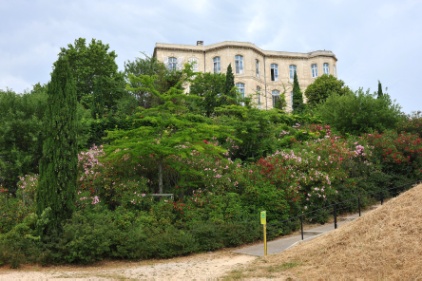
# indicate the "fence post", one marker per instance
pixel 359 205
pixel 301 225
pixel 335 216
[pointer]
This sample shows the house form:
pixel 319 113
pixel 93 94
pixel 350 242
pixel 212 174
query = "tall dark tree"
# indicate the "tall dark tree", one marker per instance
pixel 58 165
pixel 297 96
pixel 379 92
pixel 230 95
pixel 229 80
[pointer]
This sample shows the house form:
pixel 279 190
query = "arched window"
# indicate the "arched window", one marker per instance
pixel 194 62
pixel 314 69
pixel 274 72
pixel 276 98
pixel 292 70
pixel 241 88
pixel 326 68
pixel 217 66
pixel 172 63
pixel 238 59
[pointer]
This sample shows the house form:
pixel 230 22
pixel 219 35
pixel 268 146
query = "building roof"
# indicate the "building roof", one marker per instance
pixel 200 48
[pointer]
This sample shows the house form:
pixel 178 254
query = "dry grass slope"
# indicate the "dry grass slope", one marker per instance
pixel 384 244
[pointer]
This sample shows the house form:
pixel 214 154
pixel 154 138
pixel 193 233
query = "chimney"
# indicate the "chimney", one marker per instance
pixel 199 43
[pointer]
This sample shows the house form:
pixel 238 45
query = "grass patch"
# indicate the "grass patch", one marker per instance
pixel 234 275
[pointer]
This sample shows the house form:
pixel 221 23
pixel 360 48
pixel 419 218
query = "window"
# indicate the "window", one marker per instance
pixel 258 95
pixel 292 70
pixel 274 72
pixel 241 88
pixel 239 64
pixel 276 98
pixel 326 68
pixel 194 63
pixel 257 68
pixel 217 66
pixel 172 63
pixel 314 69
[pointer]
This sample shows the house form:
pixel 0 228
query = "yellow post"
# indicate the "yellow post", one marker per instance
pixel 264 224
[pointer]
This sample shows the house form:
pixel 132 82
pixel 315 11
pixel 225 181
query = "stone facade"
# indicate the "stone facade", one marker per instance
pixel 260 74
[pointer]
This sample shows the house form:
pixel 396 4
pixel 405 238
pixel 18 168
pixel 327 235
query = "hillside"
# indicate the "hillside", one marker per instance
pixel 384 244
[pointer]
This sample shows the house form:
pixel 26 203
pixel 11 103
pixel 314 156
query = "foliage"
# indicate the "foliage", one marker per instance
pixel 152 67
pixel 324 87
pixel 20 245
pixel 359 113
pixel 411 123
pixel 210 88
pixel 229 84
pixel 298 105
pixel 379 92
pixel 164 133
pixel 398 154
pixel 20 135
pixel 95 72
pixel 58 165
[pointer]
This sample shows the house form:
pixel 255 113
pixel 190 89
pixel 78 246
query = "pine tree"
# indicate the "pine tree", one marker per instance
pixel 297 96
pixel 58 165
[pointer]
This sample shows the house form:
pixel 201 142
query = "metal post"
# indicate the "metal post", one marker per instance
pixel 359 205
pixel 265 239
pixel 301 225
pixel 335 216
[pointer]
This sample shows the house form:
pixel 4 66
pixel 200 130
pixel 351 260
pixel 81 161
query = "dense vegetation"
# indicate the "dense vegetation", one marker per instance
pixel 164 172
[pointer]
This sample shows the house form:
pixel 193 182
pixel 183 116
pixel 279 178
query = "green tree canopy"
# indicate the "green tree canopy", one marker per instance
pixel 20 134
pixel 163 134
pixel 98 83
pixel 359 113
pixel 323 87
pixel 164 79
pixel 210 88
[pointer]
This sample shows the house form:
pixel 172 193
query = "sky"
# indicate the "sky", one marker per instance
pixel 376 40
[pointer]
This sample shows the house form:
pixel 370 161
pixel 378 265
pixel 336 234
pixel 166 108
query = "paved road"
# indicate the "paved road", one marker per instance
pixel 281 244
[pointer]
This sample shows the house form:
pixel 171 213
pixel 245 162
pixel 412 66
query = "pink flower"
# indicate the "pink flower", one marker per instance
pixel 95 200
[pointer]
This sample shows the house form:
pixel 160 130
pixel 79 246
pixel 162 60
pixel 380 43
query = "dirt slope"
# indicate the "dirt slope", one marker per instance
pixel 384 244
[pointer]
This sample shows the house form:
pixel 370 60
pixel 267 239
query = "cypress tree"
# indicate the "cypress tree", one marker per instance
pixel 229 81
pixel 297 96
pixel 379 93
pixel 230 95
pixel 58 165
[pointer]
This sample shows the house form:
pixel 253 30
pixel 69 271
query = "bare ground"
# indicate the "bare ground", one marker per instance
pixel 209 266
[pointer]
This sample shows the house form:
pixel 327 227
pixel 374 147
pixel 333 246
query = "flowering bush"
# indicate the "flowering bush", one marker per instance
pixel 106 182
pixel 398 154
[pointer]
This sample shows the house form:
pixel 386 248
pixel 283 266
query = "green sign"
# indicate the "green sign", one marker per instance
pixel 263 217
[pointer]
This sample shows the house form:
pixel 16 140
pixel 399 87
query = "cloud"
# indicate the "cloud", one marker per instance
pixel 373 40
